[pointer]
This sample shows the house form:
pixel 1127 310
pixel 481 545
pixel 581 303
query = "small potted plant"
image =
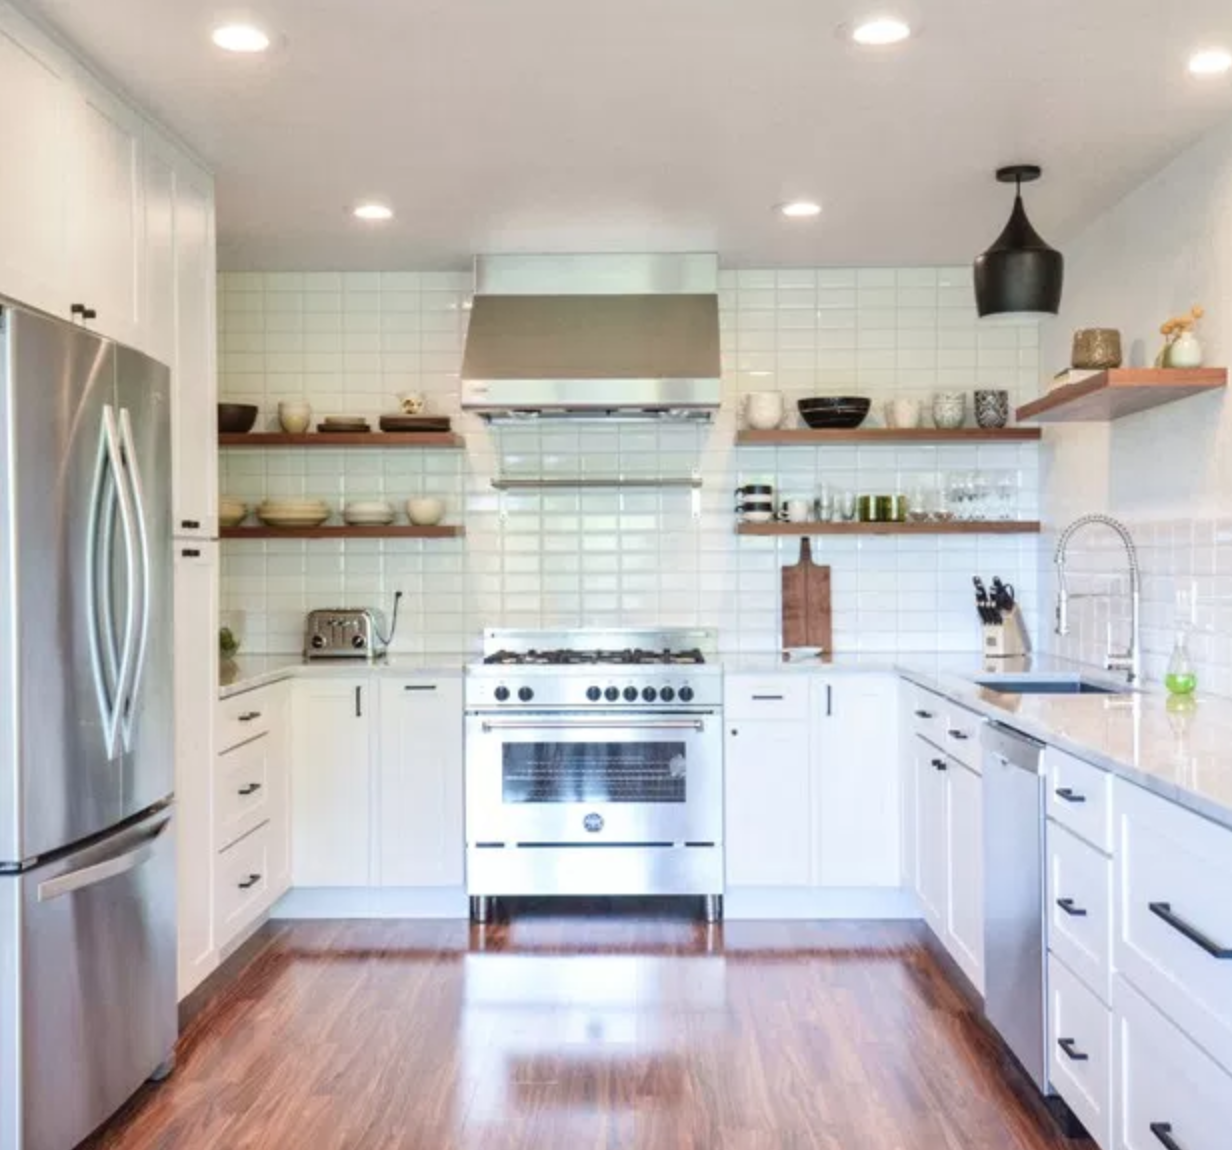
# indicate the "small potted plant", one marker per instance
pixel 1182 347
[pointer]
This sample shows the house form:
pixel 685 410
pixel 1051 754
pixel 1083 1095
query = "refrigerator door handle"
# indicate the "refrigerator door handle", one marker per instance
pixel 133 471
pixel 102 511
pixel 128 651
pixel 128 860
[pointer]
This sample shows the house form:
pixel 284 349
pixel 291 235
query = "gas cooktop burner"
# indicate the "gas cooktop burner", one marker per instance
pixel 566 656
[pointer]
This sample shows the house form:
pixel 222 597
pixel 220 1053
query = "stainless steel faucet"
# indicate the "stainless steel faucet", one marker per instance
pixel 1128 661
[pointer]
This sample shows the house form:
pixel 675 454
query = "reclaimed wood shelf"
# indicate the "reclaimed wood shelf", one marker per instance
pixel 446 439
pixel 806 436
pixel 952 527
pixel 344 531
pixel 1109 395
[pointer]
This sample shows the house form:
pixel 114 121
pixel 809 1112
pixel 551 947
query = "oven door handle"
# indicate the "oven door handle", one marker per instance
pixel 592 725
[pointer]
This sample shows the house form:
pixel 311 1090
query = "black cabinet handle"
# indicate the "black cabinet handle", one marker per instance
pixel 359 702
pixel 190 524
pixel 767 698
pixel 829 700
pixel 1164 911
pixel 191 553
pixel 960 735
pixel 1067 905
pixel 939 764
pixel 1163 1131
pixel 734 731
pixel 1070 795
pixel 420 687
pixel 1069 1047
pixel 250 789
pixel 923 714
pixel 82 312
pixel 248 716
pixel 250 881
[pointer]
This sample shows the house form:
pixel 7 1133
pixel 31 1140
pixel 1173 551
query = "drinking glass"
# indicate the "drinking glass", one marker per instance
pixel 825 504
pixel 956 494
pixel 1007 493
pixel 981 491
pixel 846 504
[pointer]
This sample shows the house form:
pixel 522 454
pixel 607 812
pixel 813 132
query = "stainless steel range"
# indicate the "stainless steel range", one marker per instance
pixel 594 766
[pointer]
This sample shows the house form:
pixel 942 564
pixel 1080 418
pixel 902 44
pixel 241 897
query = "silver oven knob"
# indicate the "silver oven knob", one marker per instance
pixel 318 641
pixel 686 694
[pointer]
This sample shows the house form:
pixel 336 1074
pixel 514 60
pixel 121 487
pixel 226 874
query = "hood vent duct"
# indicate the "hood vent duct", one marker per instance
pixel 597 337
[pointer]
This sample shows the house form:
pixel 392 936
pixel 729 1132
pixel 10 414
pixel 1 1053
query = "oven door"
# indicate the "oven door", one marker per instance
pixel 594 778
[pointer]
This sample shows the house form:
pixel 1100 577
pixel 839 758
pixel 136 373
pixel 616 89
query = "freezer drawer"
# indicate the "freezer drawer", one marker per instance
pixel 87 1001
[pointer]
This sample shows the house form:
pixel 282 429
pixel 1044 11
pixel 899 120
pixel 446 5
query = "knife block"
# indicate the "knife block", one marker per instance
pixel 1007 639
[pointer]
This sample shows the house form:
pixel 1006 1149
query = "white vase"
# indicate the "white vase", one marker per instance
pixel 763 410
pixel 1186 351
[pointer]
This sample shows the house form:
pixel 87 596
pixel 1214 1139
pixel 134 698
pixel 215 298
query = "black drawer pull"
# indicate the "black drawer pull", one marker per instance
pixel 1067 905
pixel 939 764
pixel 250 881
pixel 1164 911
pixel 248 716
pixel 1163 1131
pixel 767 698
pixel 190 524
pixel 1070 795
pixel 420 687
pixel 250 789
pixel 960 735
pixel 191 553
pixel 1071 1051
pixel 924 714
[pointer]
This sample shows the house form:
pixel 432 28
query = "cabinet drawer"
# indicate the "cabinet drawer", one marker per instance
pixel 766 697
pixel 241 884
pixel 1080 1058
pixel 1174 921
pixel 1080 908
pixel 1079 797
pixel 962 735
pixel 1168 1091
pixel 241 790
pixel 246 716
pixel 927 714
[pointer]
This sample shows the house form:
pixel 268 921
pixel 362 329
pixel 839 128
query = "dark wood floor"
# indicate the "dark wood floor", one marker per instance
pixel 586 1034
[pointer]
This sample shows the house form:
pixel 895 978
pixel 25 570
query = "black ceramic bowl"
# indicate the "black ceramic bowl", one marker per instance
pixel 236 418
pixel 834 412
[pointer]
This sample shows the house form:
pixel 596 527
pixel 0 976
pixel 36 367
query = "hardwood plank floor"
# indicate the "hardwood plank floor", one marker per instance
pixel 586 1034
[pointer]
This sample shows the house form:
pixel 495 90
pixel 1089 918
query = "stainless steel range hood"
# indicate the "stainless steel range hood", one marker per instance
pixel 596 337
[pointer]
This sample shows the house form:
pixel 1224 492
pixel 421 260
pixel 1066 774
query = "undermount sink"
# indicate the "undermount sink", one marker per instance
pixel 1048 685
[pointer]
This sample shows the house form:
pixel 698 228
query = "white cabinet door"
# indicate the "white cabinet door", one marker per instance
pixel 907 741
pixel 105 217
pixel 966 871
pixel 196 687
pixel 35 96
pixel 932 834
pixel 856 753
pixel 419 796
pixel 194 416
pixel 768 803
pixel 330 782
pixel 160 271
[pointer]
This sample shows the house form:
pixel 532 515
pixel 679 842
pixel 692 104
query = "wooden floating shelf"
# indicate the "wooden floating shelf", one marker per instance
pixel 1109 395
pixel 804 436
pixel 953 527
pixel 445 439
pixel 393 531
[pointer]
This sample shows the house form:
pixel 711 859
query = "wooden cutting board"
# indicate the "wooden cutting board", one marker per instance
pixel 806 603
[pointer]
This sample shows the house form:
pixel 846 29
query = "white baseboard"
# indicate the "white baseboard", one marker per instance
pixel 809 902
pixel 372 902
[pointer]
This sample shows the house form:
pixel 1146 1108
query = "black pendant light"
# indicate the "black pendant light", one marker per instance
pixel 1019 273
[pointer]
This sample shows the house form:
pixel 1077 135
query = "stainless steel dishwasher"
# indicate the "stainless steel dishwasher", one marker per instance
pixel 1015 952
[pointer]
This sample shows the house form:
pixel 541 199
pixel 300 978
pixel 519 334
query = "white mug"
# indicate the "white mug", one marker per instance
pixel 763 410
pixel 902 413
pixel 796 510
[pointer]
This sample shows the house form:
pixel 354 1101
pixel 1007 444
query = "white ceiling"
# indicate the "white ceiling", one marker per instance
pixel 541 125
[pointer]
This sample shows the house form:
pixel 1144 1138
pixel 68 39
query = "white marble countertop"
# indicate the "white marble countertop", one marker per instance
pixel 248 672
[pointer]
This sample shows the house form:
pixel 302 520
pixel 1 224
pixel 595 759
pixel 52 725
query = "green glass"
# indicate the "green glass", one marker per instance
pixel 1181 678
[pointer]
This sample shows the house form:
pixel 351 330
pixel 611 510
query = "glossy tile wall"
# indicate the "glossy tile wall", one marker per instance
pixel 352 343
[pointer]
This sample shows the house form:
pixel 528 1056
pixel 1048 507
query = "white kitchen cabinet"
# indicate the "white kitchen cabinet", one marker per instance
pixel 419 782
pixel 768 803
pixel 331 782
pixel 856 772
pixel 965 904
pixel 196 686
pixel 933 835
pixel 1080 1061
pixel 36 95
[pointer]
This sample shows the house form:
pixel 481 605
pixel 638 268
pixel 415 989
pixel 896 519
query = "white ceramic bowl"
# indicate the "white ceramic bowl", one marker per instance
pixel 295 416
pixel 425 510
pixel 231 512
pixel 368 512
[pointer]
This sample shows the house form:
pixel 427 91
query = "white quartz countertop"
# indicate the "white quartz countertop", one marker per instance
pixel 248 672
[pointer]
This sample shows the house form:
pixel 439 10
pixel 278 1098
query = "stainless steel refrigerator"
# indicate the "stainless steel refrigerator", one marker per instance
pixel 87 867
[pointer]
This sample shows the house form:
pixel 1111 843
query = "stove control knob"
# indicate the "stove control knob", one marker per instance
pixel 650 694
pixel 318 641
pixel 594 694
pixel 686 694
pixel 358 642
pixel 630 694
pixel 667 694
pixel 611 694
pixel 525 694
pixel 501 693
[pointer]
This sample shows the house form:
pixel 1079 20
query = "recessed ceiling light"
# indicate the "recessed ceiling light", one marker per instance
pixel 880 31
pixel 241 38
pixel 800 209
pixel 1210 62
pixel 374 212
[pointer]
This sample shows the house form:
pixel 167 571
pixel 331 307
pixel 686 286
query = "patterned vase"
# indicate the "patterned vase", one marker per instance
pixel 949 409
pixel 992 408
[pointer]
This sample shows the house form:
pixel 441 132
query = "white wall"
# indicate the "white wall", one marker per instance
pixel 1167 472
pixel 351 343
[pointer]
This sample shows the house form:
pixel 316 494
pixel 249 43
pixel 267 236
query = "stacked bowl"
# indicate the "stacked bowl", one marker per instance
pixel 293 512
pixel 834 411
pixel 231 512
pixel 368 513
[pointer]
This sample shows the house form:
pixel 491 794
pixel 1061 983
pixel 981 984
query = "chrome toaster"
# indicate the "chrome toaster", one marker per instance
pixel 344 633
